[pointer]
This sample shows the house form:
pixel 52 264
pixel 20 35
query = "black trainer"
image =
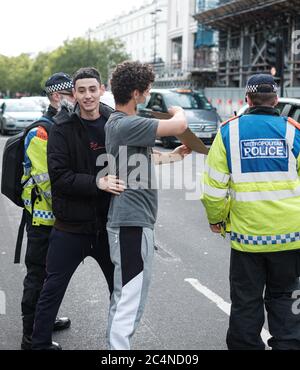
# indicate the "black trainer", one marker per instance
pixel 53 347
pixel 27 343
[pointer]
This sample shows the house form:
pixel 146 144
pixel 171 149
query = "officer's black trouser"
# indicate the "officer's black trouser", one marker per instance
pixel 35 260
pixel 258 279
pixel 66 251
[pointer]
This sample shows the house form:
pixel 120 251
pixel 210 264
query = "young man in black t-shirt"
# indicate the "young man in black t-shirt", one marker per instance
pixel 80 199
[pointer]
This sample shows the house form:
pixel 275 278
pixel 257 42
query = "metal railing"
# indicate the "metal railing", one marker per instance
pixel 179 69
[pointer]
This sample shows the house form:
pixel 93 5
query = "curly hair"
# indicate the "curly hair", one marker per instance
pixel 129 76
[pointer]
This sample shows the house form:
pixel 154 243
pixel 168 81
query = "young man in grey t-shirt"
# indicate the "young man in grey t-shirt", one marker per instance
pixel 132 215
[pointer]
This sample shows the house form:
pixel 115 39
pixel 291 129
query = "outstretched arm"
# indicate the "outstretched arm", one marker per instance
pixel 169 157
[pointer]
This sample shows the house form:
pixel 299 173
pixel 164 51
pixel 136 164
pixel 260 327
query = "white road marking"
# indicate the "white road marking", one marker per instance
pixel 2 303
pixel 223 305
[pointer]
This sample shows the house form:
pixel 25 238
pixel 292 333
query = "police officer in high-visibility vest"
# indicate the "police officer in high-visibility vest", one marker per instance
pixel 252 182
pixel 37 200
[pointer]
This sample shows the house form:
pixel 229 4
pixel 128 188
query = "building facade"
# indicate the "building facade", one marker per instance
pixel 191 48
pixel 166 33
pixel 245 27
pixel 143 31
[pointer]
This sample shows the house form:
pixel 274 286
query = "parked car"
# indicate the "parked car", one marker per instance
pixel 17 114
pixel 287 106
pixel 202 117
pixel 43 101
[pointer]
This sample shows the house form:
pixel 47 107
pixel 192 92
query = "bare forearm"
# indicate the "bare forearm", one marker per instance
pixel 164 158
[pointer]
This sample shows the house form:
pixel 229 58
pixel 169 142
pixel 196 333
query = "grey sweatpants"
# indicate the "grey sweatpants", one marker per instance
pixel 131 251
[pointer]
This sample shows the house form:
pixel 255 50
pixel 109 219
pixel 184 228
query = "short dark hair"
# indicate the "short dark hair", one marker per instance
pixel 87 72
pixel 263 98
pixel 129 76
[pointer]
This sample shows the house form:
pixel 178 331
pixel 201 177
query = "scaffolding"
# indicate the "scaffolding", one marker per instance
pixel 244 27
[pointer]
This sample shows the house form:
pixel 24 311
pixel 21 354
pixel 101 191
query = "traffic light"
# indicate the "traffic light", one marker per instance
pixel 275 56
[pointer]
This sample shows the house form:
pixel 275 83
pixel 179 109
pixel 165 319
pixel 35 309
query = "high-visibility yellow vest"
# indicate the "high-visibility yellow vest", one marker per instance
pixel 252 171
pixel 36 177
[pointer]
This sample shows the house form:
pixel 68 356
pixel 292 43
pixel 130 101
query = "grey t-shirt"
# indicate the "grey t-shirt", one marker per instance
pixel 129 142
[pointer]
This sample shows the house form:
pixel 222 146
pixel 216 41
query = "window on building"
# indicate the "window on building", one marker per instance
pixel 176 52
pixel 202 5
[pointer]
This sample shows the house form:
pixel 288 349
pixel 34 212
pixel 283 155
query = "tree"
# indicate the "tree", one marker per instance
pixel 38 74
pixel 80 52
pixel 17 73
pixel 25 74
pixel 4 64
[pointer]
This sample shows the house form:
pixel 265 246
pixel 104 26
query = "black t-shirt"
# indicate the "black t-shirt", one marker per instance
pixel 96 134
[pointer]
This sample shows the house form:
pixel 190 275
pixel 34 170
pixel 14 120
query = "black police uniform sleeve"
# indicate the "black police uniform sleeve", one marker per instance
pixel 62 178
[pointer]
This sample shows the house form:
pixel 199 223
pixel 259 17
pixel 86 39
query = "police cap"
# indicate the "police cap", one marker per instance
pixel 261 83
pixel 58 82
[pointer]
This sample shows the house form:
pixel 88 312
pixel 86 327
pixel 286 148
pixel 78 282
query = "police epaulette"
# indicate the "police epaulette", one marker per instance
pixel 294 123
pixel 229 120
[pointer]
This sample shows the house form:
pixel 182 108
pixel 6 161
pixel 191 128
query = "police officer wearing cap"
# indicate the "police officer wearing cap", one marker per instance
pixel 38 208
pixel 252 182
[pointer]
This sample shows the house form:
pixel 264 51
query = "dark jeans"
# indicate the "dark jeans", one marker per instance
pixel 66 252
pixel 35 260
pixel 258 280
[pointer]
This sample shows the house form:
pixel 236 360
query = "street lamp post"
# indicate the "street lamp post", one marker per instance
pixel 154 13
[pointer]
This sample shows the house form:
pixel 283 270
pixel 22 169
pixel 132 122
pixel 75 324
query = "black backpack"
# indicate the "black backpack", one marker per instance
pixel 12 172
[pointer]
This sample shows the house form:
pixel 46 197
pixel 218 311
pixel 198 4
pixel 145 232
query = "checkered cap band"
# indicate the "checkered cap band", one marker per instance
pixel 255 89
pixel 59 87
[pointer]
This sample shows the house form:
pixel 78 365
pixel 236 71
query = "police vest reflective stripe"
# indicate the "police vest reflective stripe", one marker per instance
pixel 265 195
pixel 238 176
pixel 41 178
pixel 215 192
pixel 216 175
